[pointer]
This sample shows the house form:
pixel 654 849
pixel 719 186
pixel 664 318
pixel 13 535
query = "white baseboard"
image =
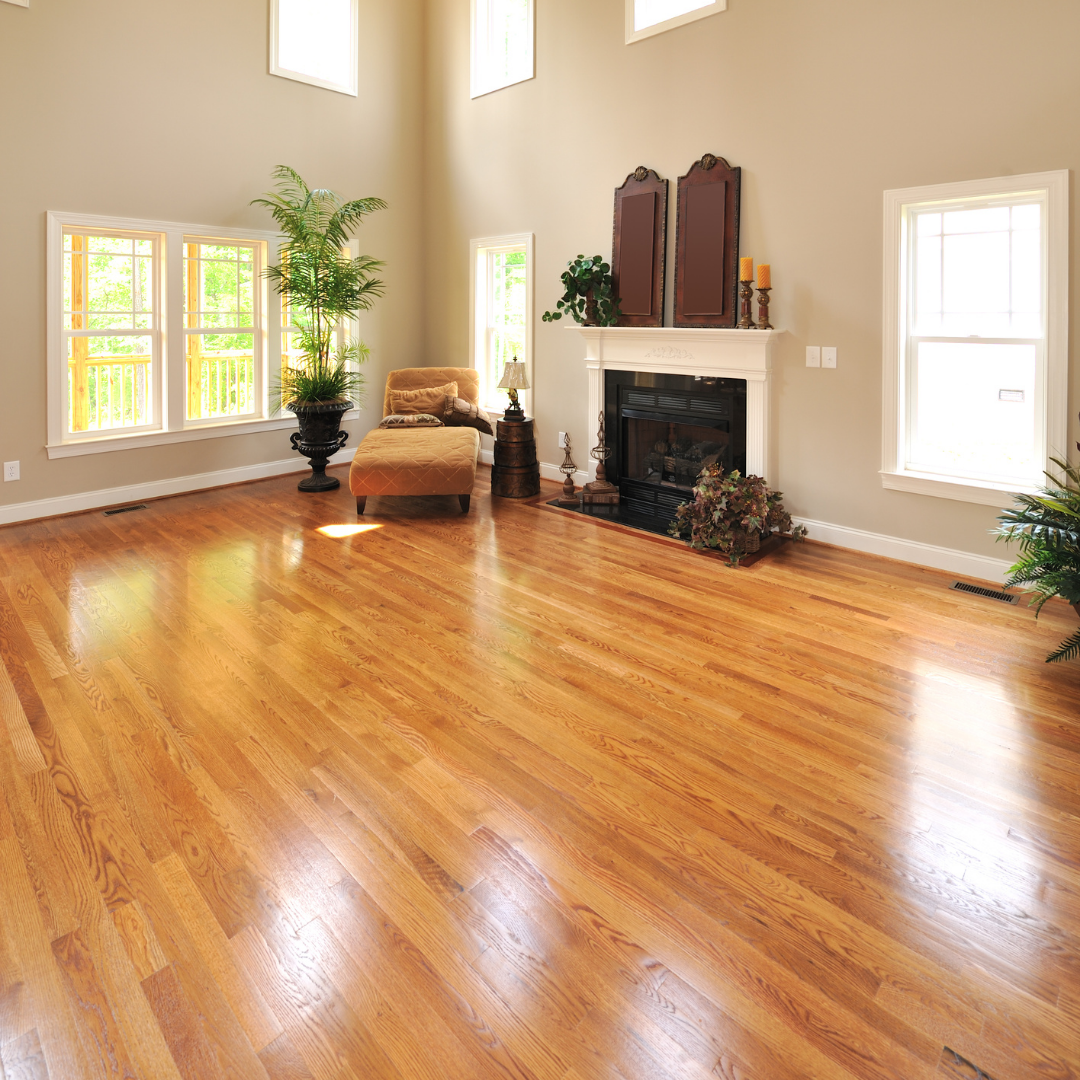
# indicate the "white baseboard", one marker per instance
pixel 892 547
pixel 155 489
pixel 548 472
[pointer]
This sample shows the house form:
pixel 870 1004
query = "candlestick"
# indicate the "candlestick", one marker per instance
pixel 763 309
pixel 746 269
pixel 764 276
pixel 746 310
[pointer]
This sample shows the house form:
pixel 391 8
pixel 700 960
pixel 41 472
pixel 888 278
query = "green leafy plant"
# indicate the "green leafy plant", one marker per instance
pixel 322 286
pixel 1046 527
pixel 727 509
pixel 589 294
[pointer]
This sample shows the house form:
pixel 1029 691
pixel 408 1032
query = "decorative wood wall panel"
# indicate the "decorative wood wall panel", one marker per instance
pixel 638 247
pixel 707 244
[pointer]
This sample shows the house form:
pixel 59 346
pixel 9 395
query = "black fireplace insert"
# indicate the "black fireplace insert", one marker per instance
pixel 663 430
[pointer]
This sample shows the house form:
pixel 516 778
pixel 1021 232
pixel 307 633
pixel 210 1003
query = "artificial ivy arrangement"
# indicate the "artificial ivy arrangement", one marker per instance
pixel 590 294
pixel 1047 528
pixel 729 507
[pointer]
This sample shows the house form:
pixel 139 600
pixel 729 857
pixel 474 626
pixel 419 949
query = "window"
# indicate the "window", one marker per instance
pixel 976 336
pixel 111 330
pixel 502 44
pixel 157 333
pixel 315 41
pixel 502 310
pixel 644 18
pixel 221 326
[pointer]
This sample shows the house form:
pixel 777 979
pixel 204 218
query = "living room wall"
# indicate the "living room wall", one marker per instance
pixel 165 111
pixel 825 105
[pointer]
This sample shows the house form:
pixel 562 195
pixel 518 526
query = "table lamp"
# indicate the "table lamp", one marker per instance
pixel 514 379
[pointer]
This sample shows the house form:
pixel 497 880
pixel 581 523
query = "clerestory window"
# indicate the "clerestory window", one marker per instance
pixel 502 44
pixel 316 42
pixel 644 18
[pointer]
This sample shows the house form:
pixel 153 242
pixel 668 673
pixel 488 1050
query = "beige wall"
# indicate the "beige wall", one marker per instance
pixel 825 105
pixel 166 111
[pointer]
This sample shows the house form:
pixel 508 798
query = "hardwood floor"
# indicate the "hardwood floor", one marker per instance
pixel 512 795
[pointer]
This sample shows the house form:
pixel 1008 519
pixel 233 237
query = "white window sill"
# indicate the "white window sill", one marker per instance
pixel 105 444
pixel 985 493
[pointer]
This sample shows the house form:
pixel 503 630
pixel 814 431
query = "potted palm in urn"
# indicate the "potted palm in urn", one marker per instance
pixel 322 287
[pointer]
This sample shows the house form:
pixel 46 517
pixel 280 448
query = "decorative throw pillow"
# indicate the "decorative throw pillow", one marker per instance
pixel 426 400
pixel 400 420
pixel 457 412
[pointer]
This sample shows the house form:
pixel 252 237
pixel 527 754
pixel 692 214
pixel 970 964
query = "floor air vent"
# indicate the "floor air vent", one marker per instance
pixel 990 594
pixel 125 509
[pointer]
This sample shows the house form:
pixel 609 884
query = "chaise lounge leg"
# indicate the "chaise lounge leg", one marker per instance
pixel 464 500
pixel 361 502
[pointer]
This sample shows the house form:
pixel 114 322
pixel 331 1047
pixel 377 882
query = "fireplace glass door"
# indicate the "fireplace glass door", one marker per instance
pixel 672 453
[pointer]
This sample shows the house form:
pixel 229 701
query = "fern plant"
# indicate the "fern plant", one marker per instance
pixel 1046 527
pixel 321 284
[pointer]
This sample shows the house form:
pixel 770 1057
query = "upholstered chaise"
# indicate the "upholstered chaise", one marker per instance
pixel 419 461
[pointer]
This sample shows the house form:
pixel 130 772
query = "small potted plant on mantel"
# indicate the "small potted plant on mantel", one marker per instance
pixel 322 286
pixel 731 513
pixel 589 294
pixel 1046 527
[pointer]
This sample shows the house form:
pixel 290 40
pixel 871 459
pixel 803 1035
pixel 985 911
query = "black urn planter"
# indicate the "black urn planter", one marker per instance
pixel 319 438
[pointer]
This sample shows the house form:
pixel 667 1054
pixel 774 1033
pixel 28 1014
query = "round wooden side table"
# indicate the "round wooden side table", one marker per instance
pixel 516 472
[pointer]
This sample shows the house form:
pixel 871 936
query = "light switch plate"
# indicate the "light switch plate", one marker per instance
pixel 813 356
pixel 828 356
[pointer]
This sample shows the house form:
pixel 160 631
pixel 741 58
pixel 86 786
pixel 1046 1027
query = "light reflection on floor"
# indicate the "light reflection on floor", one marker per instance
pixel 341 532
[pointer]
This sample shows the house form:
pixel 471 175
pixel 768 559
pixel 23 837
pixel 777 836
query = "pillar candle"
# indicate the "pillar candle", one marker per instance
pixel 764 276
pixel 746 269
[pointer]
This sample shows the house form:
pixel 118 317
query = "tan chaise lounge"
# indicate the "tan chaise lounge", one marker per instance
pixel 419 461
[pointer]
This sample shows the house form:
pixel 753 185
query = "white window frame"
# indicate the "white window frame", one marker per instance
pixel 480 82
pixel 1053 187
pixel 633 35
pixel 171 423
pixel 491 398
pixel 17 3
pixel 276 68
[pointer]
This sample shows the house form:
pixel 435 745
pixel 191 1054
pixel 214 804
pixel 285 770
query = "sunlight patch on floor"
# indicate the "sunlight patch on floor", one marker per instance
pixel 341 532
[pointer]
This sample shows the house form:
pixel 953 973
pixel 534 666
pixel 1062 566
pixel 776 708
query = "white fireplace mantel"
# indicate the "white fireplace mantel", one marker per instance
pixel 727 354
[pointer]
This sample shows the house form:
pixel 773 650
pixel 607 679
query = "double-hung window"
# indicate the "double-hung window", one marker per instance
pixel 502 310
pixel 975 336
pixel 502 44
pixel 158 333
pixel 644 18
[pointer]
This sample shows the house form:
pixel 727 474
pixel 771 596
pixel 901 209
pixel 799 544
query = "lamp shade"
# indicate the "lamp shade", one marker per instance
pixel 514 377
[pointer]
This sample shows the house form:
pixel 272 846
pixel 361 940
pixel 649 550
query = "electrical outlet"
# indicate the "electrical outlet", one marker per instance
pixel 813 356
pixel 828 356
pixel 562 440
pixel 11 470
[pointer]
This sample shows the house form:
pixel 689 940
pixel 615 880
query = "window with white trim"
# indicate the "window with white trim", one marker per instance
pixel 158 332
pixel 976 327
pixel 316 42
pixel 502 310
pixel 644 18
pixel 502 44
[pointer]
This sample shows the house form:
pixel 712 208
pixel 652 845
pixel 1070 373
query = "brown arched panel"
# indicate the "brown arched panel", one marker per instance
pixel 707 244
pixel 638 247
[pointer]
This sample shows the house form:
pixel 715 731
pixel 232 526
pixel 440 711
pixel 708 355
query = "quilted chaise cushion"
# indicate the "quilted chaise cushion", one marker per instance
pixel 417 461
pixel 468 380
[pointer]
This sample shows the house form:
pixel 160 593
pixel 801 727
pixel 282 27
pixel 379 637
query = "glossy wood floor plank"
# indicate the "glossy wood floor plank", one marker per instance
pixel 509 794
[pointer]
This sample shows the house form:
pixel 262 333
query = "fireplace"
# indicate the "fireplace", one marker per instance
pixel 663 430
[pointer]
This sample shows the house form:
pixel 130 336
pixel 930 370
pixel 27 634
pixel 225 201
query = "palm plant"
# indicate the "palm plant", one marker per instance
pixel 321 285
pixel 1047 528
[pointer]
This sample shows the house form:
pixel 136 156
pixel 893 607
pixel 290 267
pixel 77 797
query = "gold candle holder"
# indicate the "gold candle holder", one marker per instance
pixel 763 309
pixel 746 308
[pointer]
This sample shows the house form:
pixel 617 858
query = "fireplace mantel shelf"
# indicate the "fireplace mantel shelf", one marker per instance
pixel 727 354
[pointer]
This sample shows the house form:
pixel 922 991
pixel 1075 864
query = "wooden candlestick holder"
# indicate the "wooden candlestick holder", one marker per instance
pixel 746 306
pixel 763 309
